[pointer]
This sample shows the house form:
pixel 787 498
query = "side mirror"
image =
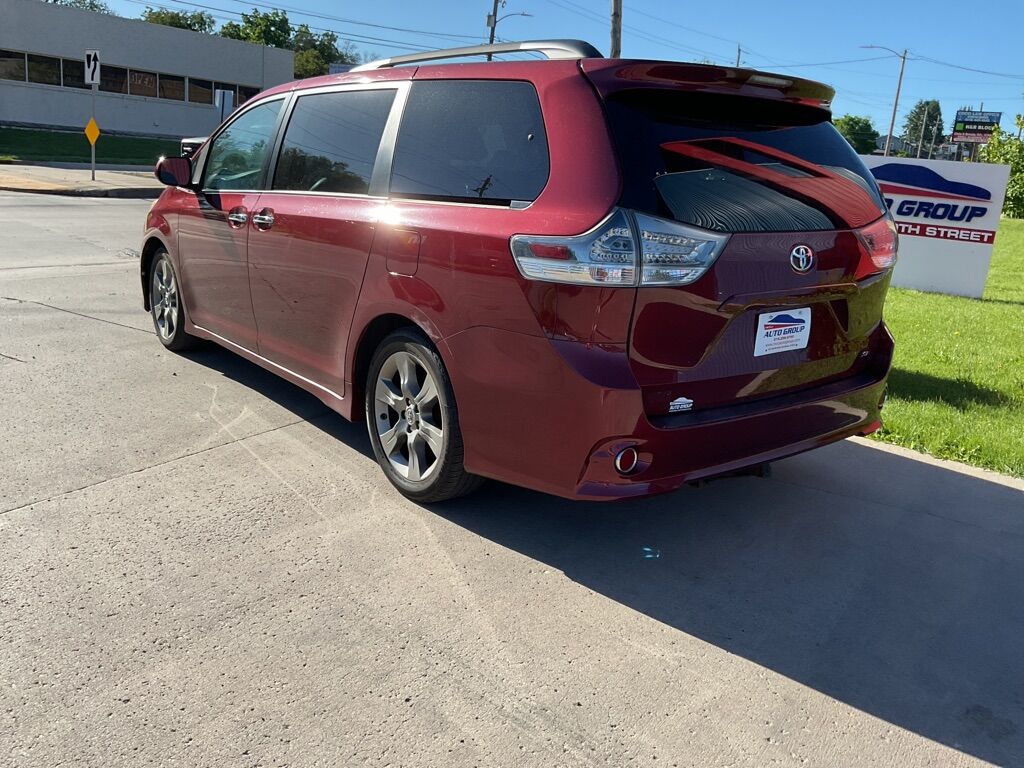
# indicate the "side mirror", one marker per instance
pixel 174 171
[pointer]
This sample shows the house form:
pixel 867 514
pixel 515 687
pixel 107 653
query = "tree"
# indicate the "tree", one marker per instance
pixel 86 5
pixel 315 53
pixel 197 21
pixel 271 28
pixel 859 131
pixel 1004 148
pixel 930 113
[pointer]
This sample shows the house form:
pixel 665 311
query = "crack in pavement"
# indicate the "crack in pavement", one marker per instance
pixel 11 357
pixel 67 266
pixel 72 312
pixel 190 454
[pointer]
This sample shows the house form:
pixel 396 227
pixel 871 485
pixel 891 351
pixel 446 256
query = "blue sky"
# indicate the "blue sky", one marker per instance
pixel 980 36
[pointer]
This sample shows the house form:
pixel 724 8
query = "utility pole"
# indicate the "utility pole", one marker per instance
pixel 896 101
pixel 616 29
pixel 492 22
pixel 924 122
pixel 935 135
pixel 737 54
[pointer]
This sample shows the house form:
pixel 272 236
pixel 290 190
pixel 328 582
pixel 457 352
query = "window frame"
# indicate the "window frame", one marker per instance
pixel 199 173
pixel 381 175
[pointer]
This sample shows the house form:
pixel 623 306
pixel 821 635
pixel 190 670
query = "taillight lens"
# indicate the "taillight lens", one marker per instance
pixel 606 255
pixel 881 243
pixel 668 253
pixel 674 254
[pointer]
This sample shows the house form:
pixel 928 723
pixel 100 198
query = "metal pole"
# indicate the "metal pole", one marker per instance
pixel 493 24
pixel 92 144
pixel 924 122
pixel 895 104
pixel 616 29
pixel 935 135
pixel 737 54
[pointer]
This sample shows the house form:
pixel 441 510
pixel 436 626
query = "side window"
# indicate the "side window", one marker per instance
pixel 331 141
pixel 471 141
pixel 238 155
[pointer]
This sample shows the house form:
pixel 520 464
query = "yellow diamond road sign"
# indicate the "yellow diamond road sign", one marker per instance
pixel 92 131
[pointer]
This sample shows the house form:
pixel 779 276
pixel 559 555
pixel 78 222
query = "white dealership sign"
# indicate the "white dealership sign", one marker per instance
pixel 947 214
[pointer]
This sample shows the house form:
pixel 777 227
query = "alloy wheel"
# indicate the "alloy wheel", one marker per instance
pixel 164 300
pixel 409 419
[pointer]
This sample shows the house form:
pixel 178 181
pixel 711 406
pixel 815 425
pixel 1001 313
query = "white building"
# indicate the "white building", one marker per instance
pixel 155 80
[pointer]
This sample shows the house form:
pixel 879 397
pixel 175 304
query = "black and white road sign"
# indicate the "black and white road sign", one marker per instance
pixel 92 67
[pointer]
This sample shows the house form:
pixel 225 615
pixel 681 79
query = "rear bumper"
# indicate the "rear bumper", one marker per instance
pixel 553 415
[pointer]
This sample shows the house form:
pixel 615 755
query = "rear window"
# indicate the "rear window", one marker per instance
pixel 732 164
pixel 479 141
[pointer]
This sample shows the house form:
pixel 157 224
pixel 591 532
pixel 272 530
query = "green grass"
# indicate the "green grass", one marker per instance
pixel 957 386
pixel 72 147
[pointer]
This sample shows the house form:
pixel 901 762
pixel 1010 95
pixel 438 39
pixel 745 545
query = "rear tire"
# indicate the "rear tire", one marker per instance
pixel 413 421
pixel 166 306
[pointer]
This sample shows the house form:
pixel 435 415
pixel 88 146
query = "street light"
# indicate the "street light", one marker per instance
pixel 896 101
pixel 493 19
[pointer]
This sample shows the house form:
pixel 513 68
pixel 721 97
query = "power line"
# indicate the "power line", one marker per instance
pixel 967 69
pixel 329 17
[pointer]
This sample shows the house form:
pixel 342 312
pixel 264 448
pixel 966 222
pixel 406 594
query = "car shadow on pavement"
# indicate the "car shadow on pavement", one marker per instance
pixel 284 393
pixel 887 583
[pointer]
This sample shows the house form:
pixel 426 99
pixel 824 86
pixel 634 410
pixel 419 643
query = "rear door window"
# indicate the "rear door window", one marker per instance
pixel 331 141
pixel 478 141
pixel 732 164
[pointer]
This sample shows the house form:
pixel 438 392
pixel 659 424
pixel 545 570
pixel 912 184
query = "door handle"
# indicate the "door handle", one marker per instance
pixel 264 219
pixel 238 218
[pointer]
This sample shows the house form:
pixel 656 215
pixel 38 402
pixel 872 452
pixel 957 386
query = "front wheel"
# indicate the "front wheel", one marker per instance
pixel 413 421
pixel 165 305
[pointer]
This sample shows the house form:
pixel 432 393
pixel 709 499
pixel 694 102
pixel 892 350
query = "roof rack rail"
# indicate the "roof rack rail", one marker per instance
pixel 553 49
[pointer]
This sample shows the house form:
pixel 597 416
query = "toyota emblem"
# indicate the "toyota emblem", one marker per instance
pixel 801 258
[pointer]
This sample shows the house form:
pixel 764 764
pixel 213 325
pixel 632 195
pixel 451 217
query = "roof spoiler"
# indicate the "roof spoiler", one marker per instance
pixel 611 75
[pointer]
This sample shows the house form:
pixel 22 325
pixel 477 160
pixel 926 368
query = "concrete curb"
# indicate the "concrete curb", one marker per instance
pixel 135 193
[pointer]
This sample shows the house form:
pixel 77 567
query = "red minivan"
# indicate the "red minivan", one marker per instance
pixel 598 278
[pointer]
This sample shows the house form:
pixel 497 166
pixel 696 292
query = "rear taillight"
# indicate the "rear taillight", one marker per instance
pixel 880 243
pixel 626 249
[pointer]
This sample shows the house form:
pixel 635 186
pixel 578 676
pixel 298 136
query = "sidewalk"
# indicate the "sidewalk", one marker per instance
pixel 75 180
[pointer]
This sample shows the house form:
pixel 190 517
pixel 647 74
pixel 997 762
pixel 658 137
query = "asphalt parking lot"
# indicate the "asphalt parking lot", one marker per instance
pixel 201 565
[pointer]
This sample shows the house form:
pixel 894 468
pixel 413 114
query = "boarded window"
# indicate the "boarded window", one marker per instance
pixel 113 79
pixel 200 91
pixel 12 65
pixel 142 83
pixel 172 87
pixel 43 69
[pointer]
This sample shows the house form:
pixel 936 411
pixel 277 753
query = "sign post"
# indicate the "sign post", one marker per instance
pixel 92 79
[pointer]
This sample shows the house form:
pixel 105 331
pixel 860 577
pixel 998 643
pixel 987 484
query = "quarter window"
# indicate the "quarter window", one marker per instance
pixel 331 141
pixel 471 141
pixel 239 153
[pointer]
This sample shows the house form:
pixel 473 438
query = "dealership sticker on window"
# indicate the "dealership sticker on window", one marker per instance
pixel 782 331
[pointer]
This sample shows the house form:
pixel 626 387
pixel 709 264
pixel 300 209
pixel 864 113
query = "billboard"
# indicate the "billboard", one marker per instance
pixel 974 127
pixel 947 214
